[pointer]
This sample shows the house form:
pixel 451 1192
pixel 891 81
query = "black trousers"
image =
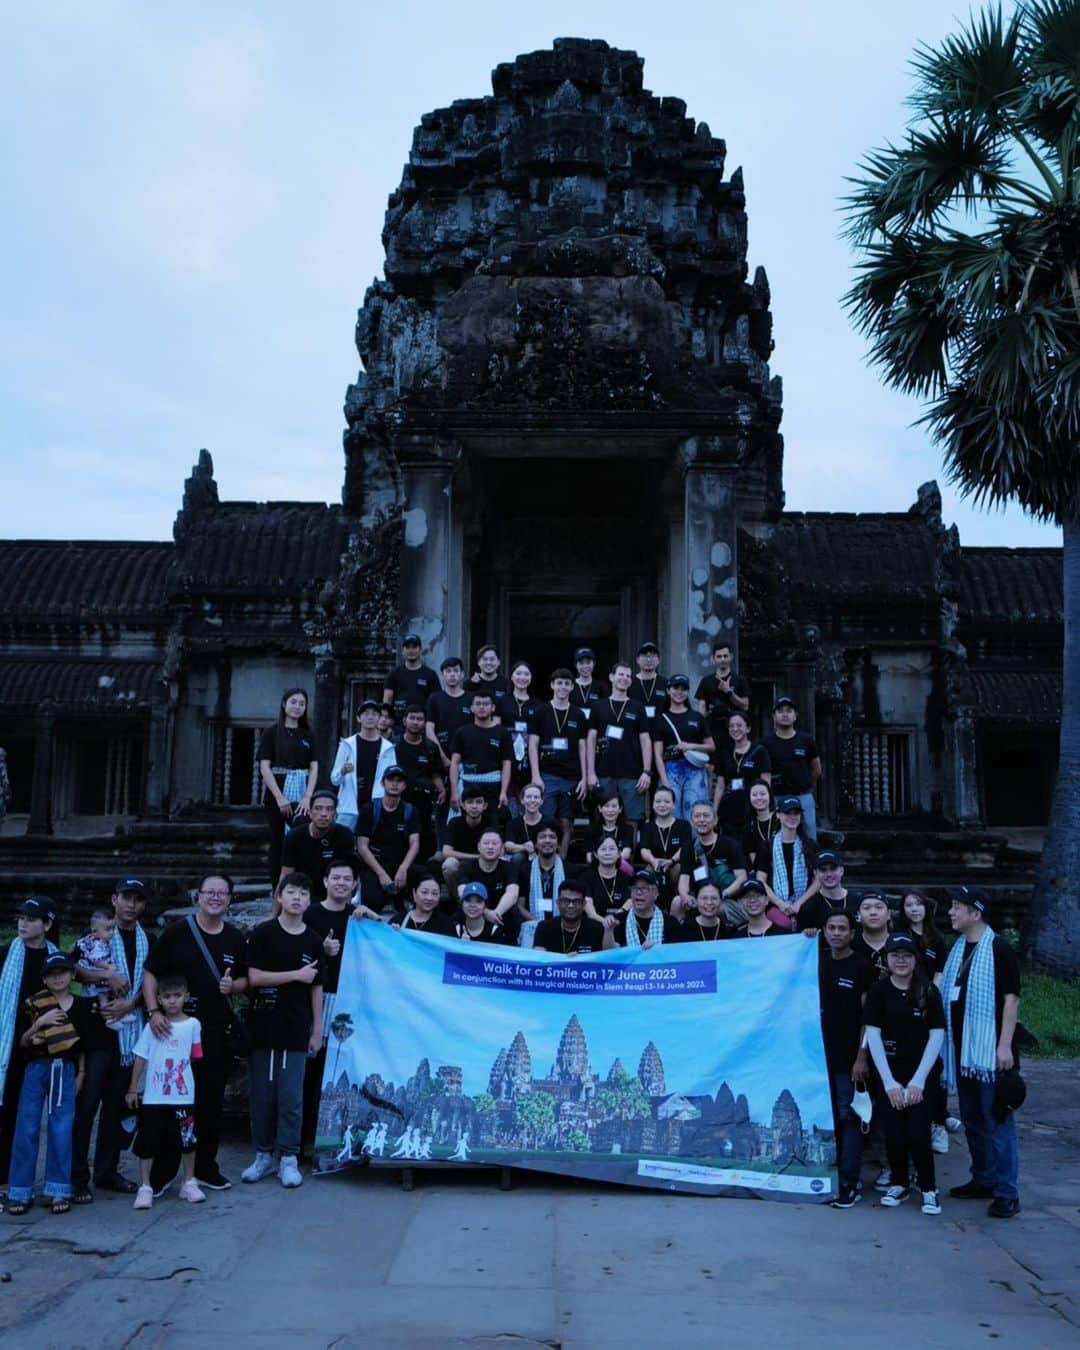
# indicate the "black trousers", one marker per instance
pixel 9 1109
pixel 103 1088
pixel 211 1074
pixel 907 1133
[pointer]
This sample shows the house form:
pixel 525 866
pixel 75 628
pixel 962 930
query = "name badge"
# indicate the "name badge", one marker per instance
pixel 954 997
pixel 585 713
pixel 521 726
pixel 560 743
pixel 650 711
pixel 701 873
pixel 736 785
pixel 613 733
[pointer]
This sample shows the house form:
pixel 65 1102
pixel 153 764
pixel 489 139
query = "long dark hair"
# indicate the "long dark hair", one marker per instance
pixel 930 939
pixel 281 741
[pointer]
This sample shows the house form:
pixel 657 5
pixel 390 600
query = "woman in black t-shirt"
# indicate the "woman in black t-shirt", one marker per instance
pixel 705 923
pixel 916 918
pixel 607 825
pixel 289 769
pixel 905 1028
pixel 761 828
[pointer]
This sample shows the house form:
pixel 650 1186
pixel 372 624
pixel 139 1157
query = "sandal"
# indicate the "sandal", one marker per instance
pixel 17 1207
pixel 61 1205
pixel 85 1197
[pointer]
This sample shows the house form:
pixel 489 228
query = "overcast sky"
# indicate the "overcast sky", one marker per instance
pixel 195 199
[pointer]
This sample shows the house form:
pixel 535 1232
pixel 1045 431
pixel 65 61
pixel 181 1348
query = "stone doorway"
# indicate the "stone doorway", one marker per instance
pixel 547 630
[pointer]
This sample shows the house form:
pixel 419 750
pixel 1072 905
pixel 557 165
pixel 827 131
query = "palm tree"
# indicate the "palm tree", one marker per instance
pixel 341 1028
pixel 968 288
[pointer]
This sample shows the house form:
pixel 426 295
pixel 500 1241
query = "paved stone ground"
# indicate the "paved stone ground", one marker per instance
pixel 353 1261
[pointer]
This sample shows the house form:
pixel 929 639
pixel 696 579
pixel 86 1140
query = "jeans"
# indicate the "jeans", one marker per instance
pixel 848 1130
pixel 688 784
pixel 995 1161
pixel 103 1086
pixel 47 1083
pixel 809 814
pixel 560 800
pixel 277 1100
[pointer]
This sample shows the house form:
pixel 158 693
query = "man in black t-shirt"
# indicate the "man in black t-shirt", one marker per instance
pixel 448 708
pixel 982 982
pixel 309 847
pixel 831 898
pixel 411 682
pixel 425 789
pixel 586 691
pixel 844 979
pixel 796 763
pixel 557 741
pixel 619 746
pixel 873 935
pixel 387 843
pixel 481 756
pixel 497 876
pixel 463 838
pixel 487 676
pixel 177 952
pixel 644 925
pixel 722 693
pixel 572 933
pixel 648 687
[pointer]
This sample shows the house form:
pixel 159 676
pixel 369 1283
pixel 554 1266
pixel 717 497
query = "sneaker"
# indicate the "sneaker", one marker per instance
pixel 848 1198
pixel 216 1181
pixel 289 1172
pixel 1003 1209
pixel 190 1191
pixel 895 1195
pixel 930 1203
pixel 144 1198
pixel 953 1124
pixel 261 1167
pixel 970 1191
pixel 884 1180
pixel 939 1139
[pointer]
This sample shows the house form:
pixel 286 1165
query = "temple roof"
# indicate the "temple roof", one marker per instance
pixel 102 686
pixel 1022 696
pixel 873 557
pixel 83 579
pixel 1006 585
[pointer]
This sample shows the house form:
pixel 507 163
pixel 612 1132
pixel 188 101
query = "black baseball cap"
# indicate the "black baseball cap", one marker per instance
pixel 683 680
pixel 647 875
pixel 784 701
pixel 37 907
pixel 648 647
pixel 131 884
pixel 900 942
pixel 972 896
pixel 370 703
pixel 411 640
pixel 394 771
pixel 751 886
pixel 829 859
pixel 789 804
pixel 584 654
pixel 57 961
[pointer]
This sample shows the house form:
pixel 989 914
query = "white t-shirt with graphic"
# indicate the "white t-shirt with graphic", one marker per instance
pixel 169 1080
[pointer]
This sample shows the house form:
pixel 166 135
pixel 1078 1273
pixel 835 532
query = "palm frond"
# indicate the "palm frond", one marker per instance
pixel 977 72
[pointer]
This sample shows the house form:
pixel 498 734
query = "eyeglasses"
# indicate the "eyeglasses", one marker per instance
pixel 215 895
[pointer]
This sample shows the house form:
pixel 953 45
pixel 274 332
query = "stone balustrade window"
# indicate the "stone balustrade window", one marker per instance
pixel 236 766
pixel 883 776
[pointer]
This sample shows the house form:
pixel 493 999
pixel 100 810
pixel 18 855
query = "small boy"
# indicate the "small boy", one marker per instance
pixel 162 1075
pixel 54 1025
pixel 93 952
pixel 286 973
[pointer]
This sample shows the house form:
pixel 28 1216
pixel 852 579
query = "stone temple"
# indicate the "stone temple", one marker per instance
pixel 565 430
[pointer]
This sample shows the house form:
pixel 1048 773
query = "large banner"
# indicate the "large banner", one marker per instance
pixel 689 1068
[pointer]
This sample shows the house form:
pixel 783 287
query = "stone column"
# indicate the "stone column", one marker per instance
pixel 41 787
pixel 709 466
pixel 158 772
pixel 326 713
pixel 965 776
pixel 430 590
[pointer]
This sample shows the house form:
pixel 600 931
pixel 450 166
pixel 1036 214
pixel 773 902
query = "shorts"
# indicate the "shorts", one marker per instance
pixel 162 1128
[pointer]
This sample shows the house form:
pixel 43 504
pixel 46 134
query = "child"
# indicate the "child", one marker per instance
pixel 286 965
pixel 54 1024
pixel 162 1073
pixel 93 952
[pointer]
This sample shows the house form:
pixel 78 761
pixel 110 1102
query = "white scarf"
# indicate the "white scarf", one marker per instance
pixel 654 937
pixel 10 983
pixel 129 1032
pixel 978 1039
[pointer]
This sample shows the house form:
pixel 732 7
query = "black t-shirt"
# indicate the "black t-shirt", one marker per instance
pixel 674 841
pixel 411 686
pixel 496 881
pixel 740 773
pixel 495 933
pixel 791 757
pixel 932 956
pixel 764 863
pixel 446 714
pixel 1006 981
pixel 843 984
pixel 280 1017
pixel 672 929
pixel 388 837
pixel 623 834
pixel 606 893
pixel 482 749
pixel 517 719
pixel 618 727
pixel 874 958
pixel 550 936
pixel 465 838
pixel 694 929
pixel 723 853
pixel 366 764
pixel 302 853
pixel 297 749
pixel 497 687
pixel 650 693
pixel 421 761
pixel 671 727
pixel 718 704
pixel 818 908
pixel 560 733
pixel 176 952
pixel 329 922
pixel 440 924
pixel 587 698
pixel 904 1026
pixel 757 839
pixel 521 832
pixel 743 931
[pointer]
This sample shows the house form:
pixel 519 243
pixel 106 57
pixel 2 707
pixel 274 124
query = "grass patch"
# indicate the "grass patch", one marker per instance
pixel 1050 1010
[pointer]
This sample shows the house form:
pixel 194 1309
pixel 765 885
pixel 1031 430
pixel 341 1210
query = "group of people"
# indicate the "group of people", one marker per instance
pixel 459 823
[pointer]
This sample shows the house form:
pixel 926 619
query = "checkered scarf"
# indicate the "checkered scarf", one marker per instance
pixel 129 1032
pixel 978 1039
pixel 654 937
pixel 10 981
pixel 779 871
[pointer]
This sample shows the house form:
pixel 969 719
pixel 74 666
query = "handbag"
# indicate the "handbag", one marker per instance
pixel 697 759
pixel 237 1035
